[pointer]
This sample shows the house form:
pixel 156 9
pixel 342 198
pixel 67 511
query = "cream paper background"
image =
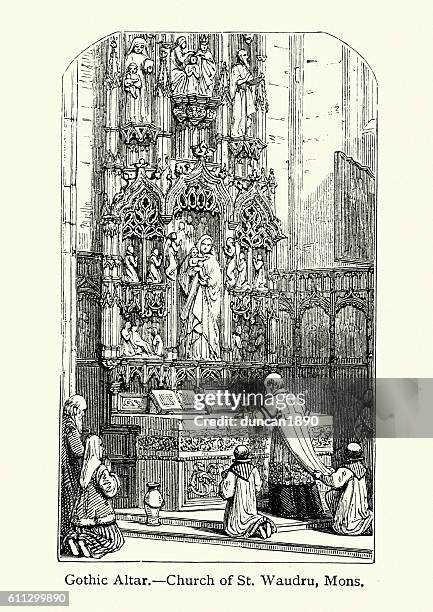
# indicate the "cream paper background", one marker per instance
pixel 38 40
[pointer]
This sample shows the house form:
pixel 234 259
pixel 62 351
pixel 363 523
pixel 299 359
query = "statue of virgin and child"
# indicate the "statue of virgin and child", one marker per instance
pixel 192 72
pixel 200 280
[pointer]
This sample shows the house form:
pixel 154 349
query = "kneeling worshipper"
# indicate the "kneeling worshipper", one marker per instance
pixel 239 486
pixel 347 499
pixel 94 529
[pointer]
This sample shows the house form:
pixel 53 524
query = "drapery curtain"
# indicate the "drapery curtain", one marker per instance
pixel 298 439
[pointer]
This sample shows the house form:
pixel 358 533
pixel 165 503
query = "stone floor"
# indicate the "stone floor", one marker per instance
pixel 197 537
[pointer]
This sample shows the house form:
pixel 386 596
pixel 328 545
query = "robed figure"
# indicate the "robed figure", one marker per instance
pixel 203 304
pixel 94 531
pixel 72 451
pixel 137 82
pixel 242 90
pixel 239 486
pixel 347 498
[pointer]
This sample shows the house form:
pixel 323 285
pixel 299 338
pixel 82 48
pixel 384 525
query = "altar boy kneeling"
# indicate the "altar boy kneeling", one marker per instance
pixel 347 498
pixel 239 486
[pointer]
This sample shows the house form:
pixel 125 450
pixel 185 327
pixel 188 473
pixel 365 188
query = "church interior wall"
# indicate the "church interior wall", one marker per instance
pixel 329 120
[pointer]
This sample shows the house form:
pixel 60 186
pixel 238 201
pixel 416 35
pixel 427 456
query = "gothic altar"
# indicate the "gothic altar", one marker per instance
pixel 186 292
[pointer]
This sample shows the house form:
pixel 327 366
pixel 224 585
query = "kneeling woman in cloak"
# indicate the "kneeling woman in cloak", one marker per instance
pixel 239 486
pixel 95 531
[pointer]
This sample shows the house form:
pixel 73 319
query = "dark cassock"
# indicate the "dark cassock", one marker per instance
pixel 239 486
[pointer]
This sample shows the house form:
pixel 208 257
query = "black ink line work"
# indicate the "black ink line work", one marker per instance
pixel 218 306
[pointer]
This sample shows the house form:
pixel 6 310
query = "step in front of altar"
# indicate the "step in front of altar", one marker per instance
pixel 213 519
pixel 304 542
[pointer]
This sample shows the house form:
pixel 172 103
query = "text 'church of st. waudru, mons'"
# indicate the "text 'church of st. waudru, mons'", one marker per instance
pixel 218 234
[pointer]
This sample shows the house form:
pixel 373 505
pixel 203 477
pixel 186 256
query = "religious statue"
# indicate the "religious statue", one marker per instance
pixel 127 348
pixel 260 278
pixel 141 344
pixel 154 276
pixel 171 248
pixel 189 227
pixel 179 59
pixel 157 342
pixel 202 228
pixel 242 279
pixel 192 72
pixel 237 343
pixel 137 82
pixel 203 304
pixel 242 95
pixel 130 271
pixel 132 82
pixel 207 67
pixel 184 239
pixel 230 251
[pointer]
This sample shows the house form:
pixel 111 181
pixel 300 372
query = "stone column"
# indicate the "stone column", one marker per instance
pixel 69 224
pixel 113 165
pixel 223 121
pixel 111 289
pixel 163 110
pixel 111 230
pixel 172 319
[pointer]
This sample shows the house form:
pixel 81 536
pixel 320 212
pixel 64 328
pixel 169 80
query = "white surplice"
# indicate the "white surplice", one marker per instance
pixel 241 518
pixel 348 500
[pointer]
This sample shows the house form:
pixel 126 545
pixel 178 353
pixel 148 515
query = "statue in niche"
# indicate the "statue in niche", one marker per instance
pixel 127 347
pixel 207 67
pixel 185 240
pixel 133 345
pixel 130 266
pixel 203 304
pixel 154 276
pixel 258 339
pixel 231 252
pixel 132 82
pixel 157 342
pixel 141 343
pixel 189 228
pixel 179 60
pixel 202 228
pixel 242 279
pixel 242 86
pixel 139 107
pixel 171 249
pixel 192 72
pixel 237 343
pixel 192 269
pixel 260 278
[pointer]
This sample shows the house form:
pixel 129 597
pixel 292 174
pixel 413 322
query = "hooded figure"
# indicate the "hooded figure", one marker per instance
pixel 95 531
pixel 347 499
pixel 138 82
pixel 72 452
pixel 239 486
